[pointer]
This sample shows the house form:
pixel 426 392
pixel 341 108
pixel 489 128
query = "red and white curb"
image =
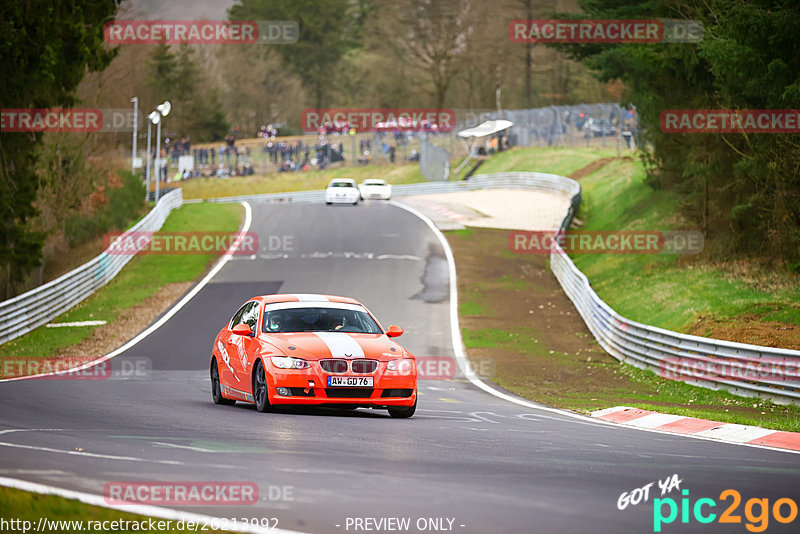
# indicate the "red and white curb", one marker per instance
pixel 679 424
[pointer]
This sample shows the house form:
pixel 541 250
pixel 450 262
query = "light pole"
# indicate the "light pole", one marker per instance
pixel 135 101
pixel 154 117
pixel 162 110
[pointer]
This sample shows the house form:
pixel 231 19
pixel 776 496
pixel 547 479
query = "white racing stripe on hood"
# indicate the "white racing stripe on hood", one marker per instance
pixel 310 297
pixel 341 345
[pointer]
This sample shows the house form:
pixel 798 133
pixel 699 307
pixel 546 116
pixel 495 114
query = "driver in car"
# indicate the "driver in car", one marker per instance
pixel 336 323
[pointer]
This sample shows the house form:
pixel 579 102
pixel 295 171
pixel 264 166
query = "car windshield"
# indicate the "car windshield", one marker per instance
pixel 319 319
pixel 341 184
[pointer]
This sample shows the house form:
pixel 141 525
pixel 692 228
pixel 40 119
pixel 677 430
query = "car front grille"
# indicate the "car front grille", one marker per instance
pixel 364 367
pixel 396 393
pixel 333 366
pixel 361 367
pixel 348 393
pixel 301 392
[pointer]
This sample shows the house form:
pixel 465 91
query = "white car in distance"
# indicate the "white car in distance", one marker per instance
pixel 342 191
pixel 375 189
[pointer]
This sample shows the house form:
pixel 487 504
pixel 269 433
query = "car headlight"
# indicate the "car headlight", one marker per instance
pixel 285 362
pixel 403 366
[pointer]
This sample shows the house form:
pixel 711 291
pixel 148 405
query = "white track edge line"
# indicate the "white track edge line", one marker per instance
pixel 248 219
pixel 139 509
pixel 463 362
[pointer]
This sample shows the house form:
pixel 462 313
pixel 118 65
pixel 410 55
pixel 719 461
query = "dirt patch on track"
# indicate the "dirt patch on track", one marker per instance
pixel 593 166
pixel 128 324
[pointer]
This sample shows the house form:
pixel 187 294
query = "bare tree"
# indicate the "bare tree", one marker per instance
pixel 432 35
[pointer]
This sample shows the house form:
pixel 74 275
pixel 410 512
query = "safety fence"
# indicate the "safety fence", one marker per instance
pixel 608 124
pixel 39 306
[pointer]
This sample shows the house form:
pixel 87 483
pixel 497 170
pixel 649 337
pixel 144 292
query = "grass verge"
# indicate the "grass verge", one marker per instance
pixel 679 292
pixel 515 315
pixel 556 160
pixel 74 516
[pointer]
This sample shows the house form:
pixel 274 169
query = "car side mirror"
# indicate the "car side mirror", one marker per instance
pixel 242 329
pixel 394 331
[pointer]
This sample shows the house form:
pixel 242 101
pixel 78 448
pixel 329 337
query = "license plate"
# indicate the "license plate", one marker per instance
pixel 350 381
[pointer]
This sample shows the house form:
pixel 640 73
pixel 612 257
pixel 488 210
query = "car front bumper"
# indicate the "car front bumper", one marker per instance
pixel 335 199
pixel 375 195
pixel 389 388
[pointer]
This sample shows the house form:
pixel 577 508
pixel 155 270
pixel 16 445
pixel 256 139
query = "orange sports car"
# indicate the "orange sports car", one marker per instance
pixel 312 350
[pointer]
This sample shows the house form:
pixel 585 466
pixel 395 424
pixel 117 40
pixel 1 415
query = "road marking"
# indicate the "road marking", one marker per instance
pixel 82 452
pixel 176 446
pixel 398 257
pixel 349 255
pixel 92 454
pixel 332 254
pixel 75 323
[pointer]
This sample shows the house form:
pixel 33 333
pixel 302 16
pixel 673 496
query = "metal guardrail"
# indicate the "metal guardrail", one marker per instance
pixel 744 369
pixel 38 306
pixel 508 180
pixel 748 370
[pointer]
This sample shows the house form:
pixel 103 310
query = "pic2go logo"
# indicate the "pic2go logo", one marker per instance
pixel 756 511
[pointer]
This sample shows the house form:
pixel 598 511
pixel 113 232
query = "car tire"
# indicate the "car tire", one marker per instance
pixel 260 393
pixel 216 390
pixel 328 203
pixel 403 412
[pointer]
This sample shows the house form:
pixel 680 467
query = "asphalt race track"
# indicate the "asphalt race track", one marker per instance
pixel 490 465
